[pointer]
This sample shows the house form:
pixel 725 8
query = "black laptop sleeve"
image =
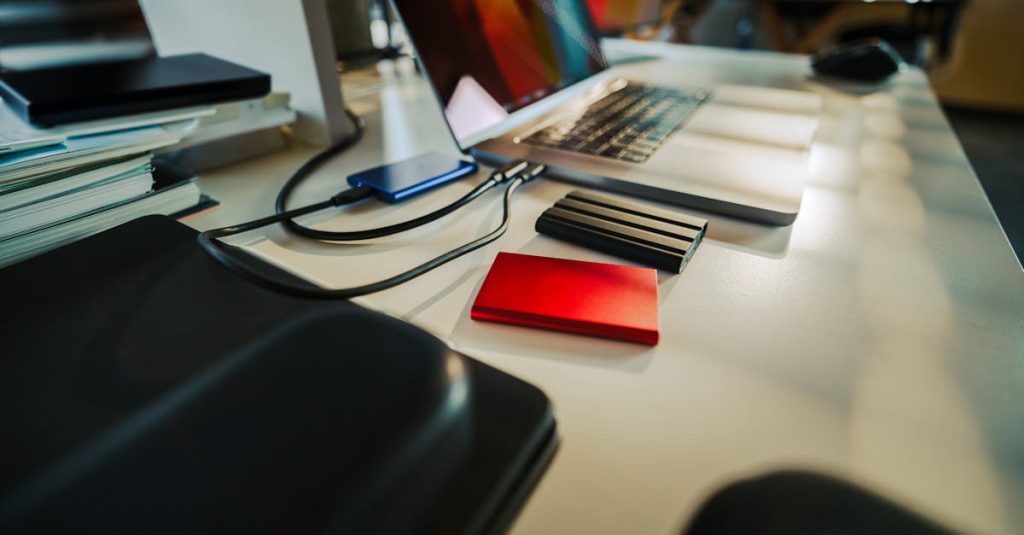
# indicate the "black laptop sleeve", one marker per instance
pixel 145 389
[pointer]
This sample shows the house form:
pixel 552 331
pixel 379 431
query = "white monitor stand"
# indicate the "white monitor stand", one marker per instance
pixel 290 39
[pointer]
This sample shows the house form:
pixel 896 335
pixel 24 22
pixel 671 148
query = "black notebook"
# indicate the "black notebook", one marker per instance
pixel 59 95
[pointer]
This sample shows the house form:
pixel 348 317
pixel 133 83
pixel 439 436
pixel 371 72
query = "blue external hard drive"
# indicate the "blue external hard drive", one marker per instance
pixel 398 181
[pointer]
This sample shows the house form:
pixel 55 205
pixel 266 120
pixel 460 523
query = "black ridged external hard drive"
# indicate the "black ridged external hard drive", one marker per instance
pixel 651 236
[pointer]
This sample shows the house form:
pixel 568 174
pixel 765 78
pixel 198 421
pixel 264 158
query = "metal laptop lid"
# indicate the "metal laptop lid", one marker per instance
pixel 493 64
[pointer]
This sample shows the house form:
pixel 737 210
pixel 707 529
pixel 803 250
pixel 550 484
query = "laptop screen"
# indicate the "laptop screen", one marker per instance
pixel 489 58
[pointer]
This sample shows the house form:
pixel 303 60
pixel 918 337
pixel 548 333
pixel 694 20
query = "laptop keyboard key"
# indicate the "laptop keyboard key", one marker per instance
pixel 629 124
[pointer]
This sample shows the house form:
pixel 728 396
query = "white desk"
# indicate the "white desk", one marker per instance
pixel 879 337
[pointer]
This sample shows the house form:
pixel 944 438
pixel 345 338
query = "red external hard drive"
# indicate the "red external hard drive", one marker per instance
pixel 590 298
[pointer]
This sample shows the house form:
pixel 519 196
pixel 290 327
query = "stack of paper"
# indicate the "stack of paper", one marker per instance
pixel 15 135
pixel 236 118
pixel 78 151
pixel 235 132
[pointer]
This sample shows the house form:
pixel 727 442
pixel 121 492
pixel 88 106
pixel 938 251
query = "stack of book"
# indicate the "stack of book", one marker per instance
pixel 122 140
pixel 60 185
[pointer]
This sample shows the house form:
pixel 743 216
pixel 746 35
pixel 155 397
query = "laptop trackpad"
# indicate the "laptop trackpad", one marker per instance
pixel 769 127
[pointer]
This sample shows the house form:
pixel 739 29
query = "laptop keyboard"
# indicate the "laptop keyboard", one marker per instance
pixel 628 124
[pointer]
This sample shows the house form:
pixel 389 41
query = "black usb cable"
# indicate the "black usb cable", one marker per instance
pixel 218 250
pixel 514 175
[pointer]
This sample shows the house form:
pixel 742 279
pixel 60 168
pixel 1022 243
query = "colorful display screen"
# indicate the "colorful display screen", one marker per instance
pixel 489 58
pixel 614 16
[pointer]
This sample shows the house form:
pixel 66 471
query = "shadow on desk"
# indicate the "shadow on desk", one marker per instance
pixel 752 238
pixel 474 337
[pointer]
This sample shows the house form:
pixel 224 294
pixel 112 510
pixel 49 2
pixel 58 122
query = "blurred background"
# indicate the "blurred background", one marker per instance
pixel 972 51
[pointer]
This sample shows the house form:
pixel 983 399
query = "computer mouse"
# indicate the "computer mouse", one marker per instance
pixel 871 60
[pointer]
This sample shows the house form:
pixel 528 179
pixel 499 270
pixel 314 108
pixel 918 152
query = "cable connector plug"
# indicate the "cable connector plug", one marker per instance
pixel 352 195
pixel 522 169
pixel 532 171
pixel 509 171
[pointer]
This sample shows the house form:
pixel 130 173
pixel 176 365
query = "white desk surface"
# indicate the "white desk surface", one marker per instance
pixel 880 337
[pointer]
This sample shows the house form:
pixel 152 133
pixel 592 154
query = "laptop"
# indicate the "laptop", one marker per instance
pixel 526 79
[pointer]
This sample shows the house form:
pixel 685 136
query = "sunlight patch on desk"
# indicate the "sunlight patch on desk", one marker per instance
pixel 885 156
pixel 832 166
pixel 823 225
pixel 890 204
pixel 880 102
pixel 885 125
